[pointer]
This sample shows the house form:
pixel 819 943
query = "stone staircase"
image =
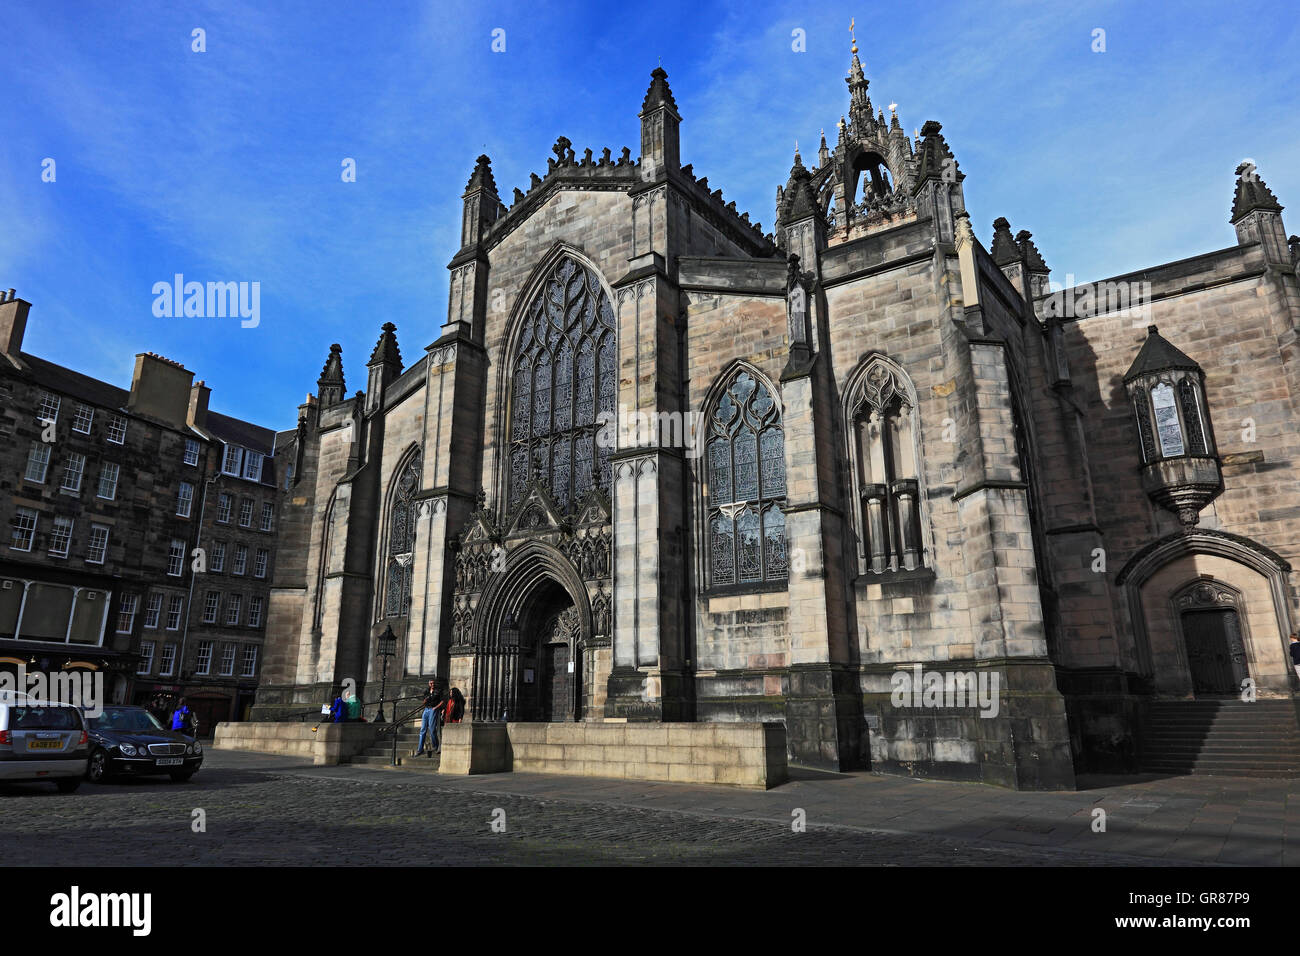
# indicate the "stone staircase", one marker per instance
pixel 381 753
pixel 1229 737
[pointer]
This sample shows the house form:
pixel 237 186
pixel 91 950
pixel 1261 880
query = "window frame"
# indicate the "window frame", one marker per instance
pixel 175 606
pixel 117 473
pixel 44 459
pixel 211 607
pixel 80 460
pixel 184 502
pixel 47 398
pixel 174 560
pixel 89 418
pixel 54 535
pixel 117 424
pixel 203 659
pixel 146 658
pixel 103 547
pixel 167 661
pixel 23 511
pixel 128 607
pixel 153 611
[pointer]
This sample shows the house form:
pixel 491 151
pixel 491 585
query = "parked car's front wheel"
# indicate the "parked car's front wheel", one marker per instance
pixel 97 769
pixel 68 784
pixel 181 776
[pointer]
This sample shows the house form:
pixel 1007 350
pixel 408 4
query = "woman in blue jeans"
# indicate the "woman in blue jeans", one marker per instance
pixel 429 720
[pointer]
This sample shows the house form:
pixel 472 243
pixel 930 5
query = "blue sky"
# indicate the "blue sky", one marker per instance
pixel 225 165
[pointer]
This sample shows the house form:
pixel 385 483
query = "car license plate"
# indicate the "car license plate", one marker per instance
pixel 45 745
pixel 170 761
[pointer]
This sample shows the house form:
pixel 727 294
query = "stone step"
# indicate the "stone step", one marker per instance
pixel 405 762
pixel 1228 737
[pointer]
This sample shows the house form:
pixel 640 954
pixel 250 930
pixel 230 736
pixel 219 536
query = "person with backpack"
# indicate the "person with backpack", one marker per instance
pixel 180 715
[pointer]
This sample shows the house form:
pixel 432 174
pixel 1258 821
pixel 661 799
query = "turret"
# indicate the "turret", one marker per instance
pixel 660 129
pixel 1257 215
pixel 330 386
pixel 482 205
pixel 384 366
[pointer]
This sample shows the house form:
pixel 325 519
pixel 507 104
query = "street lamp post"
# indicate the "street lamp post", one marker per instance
pixel 387 649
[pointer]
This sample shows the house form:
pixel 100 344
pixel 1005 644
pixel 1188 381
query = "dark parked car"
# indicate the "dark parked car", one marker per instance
pixel 129 741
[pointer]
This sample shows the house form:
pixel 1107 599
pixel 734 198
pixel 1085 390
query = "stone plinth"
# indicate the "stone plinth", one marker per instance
pixel 326 743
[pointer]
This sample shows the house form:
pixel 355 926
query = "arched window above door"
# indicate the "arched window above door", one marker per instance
pixel 563 366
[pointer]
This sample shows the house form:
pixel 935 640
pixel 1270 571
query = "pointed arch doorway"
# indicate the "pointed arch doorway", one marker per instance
pixel 529 655
pixel 550 667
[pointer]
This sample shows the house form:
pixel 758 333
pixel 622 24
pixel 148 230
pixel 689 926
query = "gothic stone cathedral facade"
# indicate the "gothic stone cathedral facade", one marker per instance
pixel 904 456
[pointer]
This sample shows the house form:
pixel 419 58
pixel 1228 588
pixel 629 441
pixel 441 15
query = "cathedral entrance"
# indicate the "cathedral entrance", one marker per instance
pixel 528 665
pixel 548 660
pixel 1215 654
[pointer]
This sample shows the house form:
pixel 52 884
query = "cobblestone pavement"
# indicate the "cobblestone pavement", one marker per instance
pixel 278 811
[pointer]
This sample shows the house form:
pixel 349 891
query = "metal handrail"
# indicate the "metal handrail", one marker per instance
pixel 397 723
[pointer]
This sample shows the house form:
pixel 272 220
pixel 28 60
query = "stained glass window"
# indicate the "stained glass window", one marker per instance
pixel 401 540
pixel 1191 418
pixel 745 461
pixel 1168 429
pixel 564 378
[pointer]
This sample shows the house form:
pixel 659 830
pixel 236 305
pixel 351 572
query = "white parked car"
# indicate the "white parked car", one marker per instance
pixel 40 740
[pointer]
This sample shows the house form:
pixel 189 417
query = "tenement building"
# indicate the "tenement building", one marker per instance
pixel 862 476
pixel 142 530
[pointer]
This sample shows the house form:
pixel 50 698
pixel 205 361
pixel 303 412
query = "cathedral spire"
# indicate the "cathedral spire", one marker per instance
pixel 859 102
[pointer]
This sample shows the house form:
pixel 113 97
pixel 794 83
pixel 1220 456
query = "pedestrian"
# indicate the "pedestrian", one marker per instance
pixel 1295 652
pixel 455 706
pixel 351 706
pixel 179 715
pixel 429 720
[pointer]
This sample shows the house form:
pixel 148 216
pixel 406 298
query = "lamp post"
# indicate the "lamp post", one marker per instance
pixel 387 649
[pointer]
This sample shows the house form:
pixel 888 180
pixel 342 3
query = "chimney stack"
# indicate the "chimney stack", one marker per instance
pixel 160 389
pixel 198 411
pixel 13 323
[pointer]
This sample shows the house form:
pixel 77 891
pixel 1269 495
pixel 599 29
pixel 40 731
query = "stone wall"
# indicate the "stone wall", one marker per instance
pixel 751 755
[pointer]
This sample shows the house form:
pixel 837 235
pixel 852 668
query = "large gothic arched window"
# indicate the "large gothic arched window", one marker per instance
pixel 746 486
pixel 401 540
pixel 564 379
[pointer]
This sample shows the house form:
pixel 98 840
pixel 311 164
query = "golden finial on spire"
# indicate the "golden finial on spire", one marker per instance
pixel 851 34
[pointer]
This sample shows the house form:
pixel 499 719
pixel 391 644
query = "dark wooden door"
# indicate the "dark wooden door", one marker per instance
pixel 555 688
pixel 1215 653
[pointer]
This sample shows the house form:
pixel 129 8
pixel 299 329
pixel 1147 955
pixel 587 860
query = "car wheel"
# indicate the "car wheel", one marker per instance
pixel 97 769
pixel 181 776
pixel 68 784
